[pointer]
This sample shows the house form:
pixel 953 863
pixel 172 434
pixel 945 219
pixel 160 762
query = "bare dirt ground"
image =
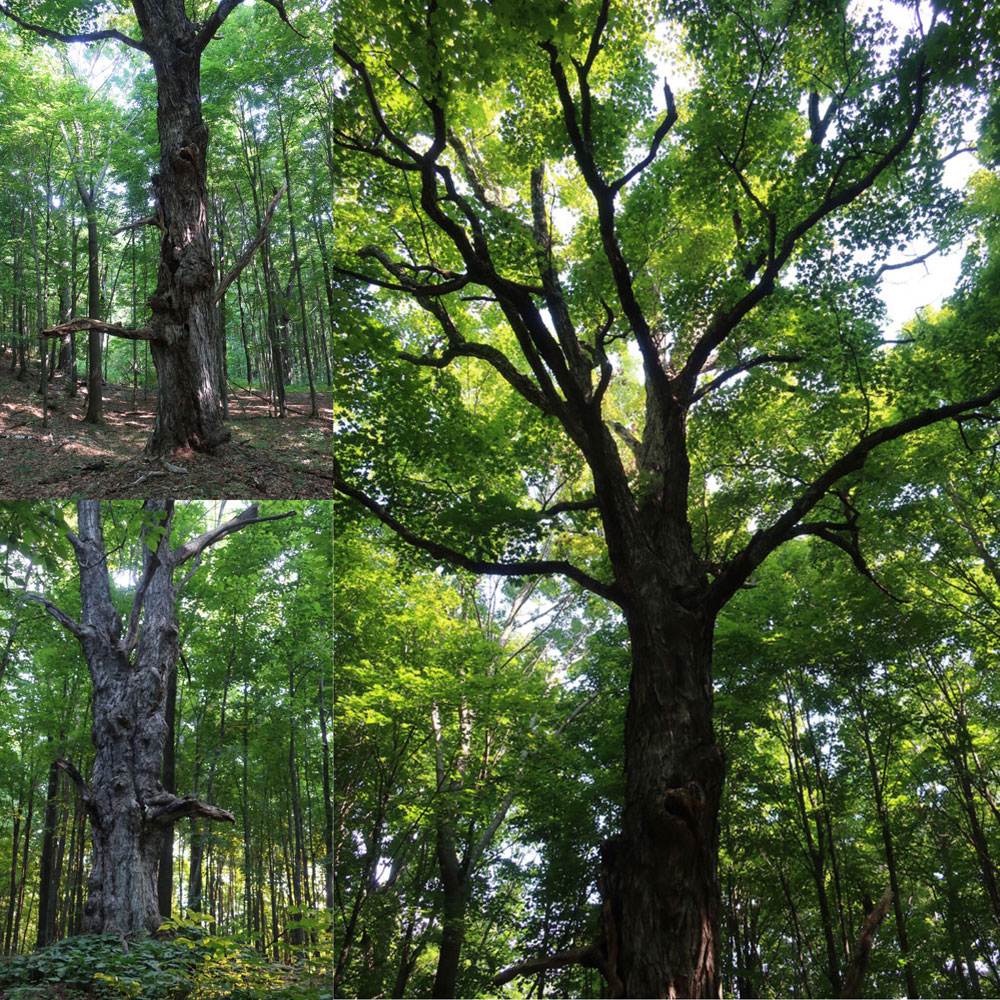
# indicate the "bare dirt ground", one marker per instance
pixel 268 458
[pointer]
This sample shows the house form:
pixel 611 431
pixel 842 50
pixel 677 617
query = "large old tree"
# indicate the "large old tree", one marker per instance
pixel 183 331
pixel 584 316
pixel 130 663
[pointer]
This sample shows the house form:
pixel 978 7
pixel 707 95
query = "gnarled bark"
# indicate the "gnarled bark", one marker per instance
pixel 129 668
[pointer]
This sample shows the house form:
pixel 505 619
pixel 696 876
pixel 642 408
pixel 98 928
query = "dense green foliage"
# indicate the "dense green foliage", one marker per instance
pixel 855 678
pixel 87 114
pixel 251 714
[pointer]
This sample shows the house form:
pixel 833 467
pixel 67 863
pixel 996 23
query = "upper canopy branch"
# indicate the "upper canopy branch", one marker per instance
pixel 659 135
pixel 223 10
pixel 760 359
pixel 545 399
pixel 736 572
pixel 726 320
pixel 528 567
pixel 198 545
pixel 84 36
pixel 604 196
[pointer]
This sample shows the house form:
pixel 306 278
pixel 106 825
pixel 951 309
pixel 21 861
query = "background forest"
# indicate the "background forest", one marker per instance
pixel 80 153
pixel 250 733
pixel 532 238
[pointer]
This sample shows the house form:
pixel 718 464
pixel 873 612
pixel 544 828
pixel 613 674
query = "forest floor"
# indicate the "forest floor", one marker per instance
pixel 266 458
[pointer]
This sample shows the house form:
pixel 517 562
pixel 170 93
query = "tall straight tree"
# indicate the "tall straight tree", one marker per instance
pixel 183 330
pixel 724 250
pixel 130 663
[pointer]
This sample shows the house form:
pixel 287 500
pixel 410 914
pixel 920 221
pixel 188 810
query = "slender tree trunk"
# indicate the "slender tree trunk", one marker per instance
pixel 298 848
pixel 94 386
pixel 455 886
pixel 48 885
pixel 223 347
pixel 13 873
pixel 313 412
pixel 24 869
pixel 327 804
pixel 890 854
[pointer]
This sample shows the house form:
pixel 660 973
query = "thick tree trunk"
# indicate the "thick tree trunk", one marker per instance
pixel 659 879
pixel 165 872
pixel 128 807
pixel 185 321
pixel 129 732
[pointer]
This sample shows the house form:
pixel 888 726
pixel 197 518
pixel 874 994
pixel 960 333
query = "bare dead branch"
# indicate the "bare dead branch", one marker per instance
pixel 75 776
pixel 904 263
pixel 198 545
pixel 586 956
pixel 149 220
pixel 249 250
pixel 165 808
pixel 83 323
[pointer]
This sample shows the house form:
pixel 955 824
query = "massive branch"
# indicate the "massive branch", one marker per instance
pixel 738 570
pixel 527 567
pixel 198 545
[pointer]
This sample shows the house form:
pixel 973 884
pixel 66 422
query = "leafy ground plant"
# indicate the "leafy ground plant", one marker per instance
pixel 187 964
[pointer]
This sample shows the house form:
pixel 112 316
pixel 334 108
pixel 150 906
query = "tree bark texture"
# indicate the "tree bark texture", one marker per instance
pixel 130 667
pixel 659 880
pixel 184 323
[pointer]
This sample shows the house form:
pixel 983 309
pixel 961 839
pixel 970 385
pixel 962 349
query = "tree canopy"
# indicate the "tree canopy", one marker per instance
pixel 94 230
pixel 611 282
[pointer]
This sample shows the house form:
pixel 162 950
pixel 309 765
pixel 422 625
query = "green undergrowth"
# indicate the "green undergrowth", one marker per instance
pixel 183 962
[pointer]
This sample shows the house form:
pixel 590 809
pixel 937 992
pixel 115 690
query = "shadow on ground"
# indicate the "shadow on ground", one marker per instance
pixel 267 457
